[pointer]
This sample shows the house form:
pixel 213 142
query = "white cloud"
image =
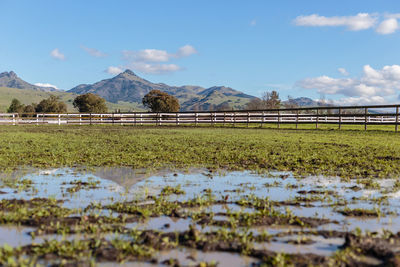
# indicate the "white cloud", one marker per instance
pixel 154 61
pixel 93 52
pixel 152 55
pixel 361 21
pixel 388 26
pixel 392 15
pixel 343 71
pixel 153 68
pixel 354 101
pixel 113 70
pixel 374 85
pixel 185 51
pixel 253 22
pixel 55 53
pixel 155 55
pixel 46 85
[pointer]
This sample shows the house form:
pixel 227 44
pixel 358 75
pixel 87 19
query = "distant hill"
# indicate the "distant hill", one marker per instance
pixel 307 102
pixel 129 87
pixel 11 80
pixel 28 96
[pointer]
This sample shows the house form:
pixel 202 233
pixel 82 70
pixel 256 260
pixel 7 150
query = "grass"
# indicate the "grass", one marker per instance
pixel 342 153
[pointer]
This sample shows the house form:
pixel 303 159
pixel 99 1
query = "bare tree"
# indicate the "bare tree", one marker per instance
pixel 269 100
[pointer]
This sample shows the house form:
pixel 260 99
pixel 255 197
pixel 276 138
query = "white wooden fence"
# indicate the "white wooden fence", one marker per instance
pixel 315 115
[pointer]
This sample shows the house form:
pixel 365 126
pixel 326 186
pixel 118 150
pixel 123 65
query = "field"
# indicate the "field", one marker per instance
pixel 207 196
pixel 349 153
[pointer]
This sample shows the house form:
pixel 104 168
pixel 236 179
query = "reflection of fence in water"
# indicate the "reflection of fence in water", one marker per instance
pixel 360 115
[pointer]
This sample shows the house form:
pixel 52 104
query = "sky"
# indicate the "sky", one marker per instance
pixel 344 51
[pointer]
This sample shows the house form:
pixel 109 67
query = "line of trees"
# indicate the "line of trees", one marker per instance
pixel 84 103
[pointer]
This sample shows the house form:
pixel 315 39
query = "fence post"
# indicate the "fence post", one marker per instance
pixel 37 119
pixel 316 121
pixel 397 119
pixel 262 119
pixel 90 118
pixel 365 117
pixel 224 118
pixel 177 119
pixel 234 119
pixel 248 118
pixel 297 119
pixel 13 119
pixel 214 116
pixel 196 120
pixel 59 119
pixel 134 118
pixel 279 118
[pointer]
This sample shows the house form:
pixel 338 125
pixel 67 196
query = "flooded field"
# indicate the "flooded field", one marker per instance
pixel 76 216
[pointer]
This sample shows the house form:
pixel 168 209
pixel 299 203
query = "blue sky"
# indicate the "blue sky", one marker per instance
pixel 347 51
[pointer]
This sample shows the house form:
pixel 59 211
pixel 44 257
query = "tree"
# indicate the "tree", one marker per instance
pixel 52 104
pixel 30 108
pixel 269 100
pixel 16 106
pixel 90 103
pixel 159 101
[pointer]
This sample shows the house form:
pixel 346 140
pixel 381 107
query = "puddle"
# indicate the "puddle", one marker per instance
pixel 217 200
pixel 289 244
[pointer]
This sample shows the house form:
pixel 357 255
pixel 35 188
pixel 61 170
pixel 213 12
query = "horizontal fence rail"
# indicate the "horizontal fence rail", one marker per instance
pixel 359 115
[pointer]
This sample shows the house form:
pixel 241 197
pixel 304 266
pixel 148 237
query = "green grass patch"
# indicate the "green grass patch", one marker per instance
pixel 328 152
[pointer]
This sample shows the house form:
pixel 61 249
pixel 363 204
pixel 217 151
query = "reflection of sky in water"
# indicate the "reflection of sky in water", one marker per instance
pixel 124 184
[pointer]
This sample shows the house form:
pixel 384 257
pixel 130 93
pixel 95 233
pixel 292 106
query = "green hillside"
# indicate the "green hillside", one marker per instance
pixel 27 96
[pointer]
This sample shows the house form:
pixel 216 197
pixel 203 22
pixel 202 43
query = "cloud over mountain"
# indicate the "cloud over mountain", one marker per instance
pixel 152 61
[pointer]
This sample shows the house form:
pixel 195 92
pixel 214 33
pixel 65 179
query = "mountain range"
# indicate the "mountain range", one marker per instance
pixel 129 87
pixel 126 90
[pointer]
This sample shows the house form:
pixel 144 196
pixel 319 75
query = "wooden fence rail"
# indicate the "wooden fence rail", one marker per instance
pixel 359 115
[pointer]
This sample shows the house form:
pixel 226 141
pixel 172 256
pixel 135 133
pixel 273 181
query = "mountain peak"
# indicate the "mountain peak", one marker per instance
pixel 128 72
pixel 11 80
pixel 10 74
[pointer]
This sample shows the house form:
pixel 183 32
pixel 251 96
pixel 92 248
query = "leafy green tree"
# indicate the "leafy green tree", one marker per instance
pixel 90 103
pixel 158 101
pixel 16 106
pixel 52 104
pixel 30 108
